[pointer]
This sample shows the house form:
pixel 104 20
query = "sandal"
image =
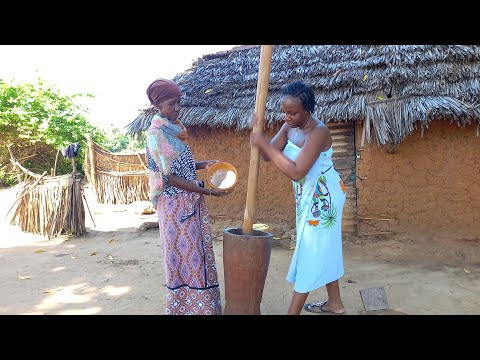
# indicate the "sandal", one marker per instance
pixel 318 308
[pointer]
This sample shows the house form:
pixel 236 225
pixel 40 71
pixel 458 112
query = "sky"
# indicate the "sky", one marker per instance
pixel 117 75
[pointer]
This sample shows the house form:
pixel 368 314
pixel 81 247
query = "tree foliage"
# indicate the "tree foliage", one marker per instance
pixel 120 142
pixel 34 114
pixel 39 112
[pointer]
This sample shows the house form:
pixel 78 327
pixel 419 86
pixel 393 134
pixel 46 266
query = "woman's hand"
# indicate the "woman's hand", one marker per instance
pixel 219 192
pixel 257 139
pixel 203 165
pixel 209 163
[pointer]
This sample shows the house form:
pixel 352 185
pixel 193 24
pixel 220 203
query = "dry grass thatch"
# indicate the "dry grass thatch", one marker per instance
pixel 119 178
pixel 390 87
pixel 50 206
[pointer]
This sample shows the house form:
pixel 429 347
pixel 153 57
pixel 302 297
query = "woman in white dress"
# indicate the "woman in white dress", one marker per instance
pixel 302 150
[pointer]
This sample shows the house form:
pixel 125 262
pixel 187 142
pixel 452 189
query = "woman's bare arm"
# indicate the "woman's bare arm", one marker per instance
pixel 183 184
pixel 204 165
pixel 315 142
pixel 278 141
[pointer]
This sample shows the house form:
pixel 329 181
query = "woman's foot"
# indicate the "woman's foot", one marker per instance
pixel 323 307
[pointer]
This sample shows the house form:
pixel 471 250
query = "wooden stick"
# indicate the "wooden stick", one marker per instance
pixel 92 161
pixel 55 166
pixel 260 105
pixel 13 159
pixel 143 164
pixel 74 166
pixel 26 171
pixel 27 157
pixel 88 207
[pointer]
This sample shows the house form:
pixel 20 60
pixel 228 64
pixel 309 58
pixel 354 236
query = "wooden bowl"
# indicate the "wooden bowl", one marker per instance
pixel 219 172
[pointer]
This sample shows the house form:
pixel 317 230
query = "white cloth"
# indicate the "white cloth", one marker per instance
pixel 319 197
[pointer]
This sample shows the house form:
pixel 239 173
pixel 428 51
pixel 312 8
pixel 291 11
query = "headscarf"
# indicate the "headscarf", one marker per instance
pixel 161 90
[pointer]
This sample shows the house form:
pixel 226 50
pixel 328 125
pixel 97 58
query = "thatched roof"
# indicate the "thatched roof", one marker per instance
pixel 390 87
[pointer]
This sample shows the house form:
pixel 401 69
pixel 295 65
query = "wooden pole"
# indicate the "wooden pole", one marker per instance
pixel 54 171
pixel 92 161
pixel 260 107
pixel 19 178
pixel 74 166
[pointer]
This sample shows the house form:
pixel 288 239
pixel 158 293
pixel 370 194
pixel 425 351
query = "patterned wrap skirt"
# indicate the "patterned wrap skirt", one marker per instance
pixel 191 272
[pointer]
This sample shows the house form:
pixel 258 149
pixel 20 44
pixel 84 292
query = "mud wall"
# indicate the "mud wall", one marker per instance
pixel 424 186
pixel 275 204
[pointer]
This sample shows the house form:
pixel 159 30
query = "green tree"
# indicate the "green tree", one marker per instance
pixel 39 113
pixel 116 141
pixel 120 142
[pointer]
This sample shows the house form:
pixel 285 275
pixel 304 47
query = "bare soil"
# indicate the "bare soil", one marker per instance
pixel 115 268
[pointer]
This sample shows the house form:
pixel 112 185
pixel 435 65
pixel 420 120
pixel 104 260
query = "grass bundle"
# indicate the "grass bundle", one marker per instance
pixel 50 206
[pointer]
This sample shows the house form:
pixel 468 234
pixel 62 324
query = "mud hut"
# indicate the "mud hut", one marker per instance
pixel 404 118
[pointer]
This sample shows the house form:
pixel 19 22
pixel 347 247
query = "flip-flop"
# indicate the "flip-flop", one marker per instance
pixel 318 305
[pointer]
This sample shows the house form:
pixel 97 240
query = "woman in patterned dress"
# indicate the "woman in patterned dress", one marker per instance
pixel 302 150
pixel 185 235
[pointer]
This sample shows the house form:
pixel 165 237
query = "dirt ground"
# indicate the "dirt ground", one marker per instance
pixel 115 268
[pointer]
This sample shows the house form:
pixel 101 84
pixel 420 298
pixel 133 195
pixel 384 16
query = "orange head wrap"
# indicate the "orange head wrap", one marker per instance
pixel 161 90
